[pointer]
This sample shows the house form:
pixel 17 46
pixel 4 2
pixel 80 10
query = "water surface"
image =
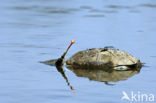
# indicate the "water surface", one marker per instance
pixel 38 30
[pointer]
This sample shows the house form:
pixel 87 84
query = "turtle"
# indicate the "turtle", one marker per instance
pixel 102 58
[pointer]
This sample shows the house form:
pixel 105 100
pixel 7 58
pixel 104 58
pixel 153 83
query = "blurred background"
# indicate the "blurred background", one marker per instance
pixel 38 30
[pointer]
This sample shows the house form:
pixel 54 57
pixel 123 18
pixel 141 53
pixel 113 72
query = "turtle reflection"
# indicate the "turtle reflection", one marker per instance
pixel 104 75
pixel 61 71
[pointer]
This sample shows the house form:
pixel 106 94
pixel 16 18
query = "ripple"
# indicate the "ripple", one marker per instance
pixel 19 51
pixel 85 7
pixel 148 5
pixel 20 45
pixel 118 7
pixel 134 11
pixel 46 9
pixel 23 8
pixel 59 11
pixel 102 11
pixel 95 16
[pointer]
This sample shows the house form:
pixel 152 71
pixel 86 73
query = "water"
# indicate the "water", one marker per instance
pixel 38 30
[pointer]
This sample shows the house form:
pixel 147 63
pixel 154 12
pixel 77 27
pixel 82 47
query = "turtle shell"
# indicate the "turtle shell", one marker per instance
pixel 102 57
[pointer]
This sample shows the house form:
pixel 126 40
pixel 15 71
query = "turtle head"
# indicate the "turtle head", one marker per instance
pixel 59 61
